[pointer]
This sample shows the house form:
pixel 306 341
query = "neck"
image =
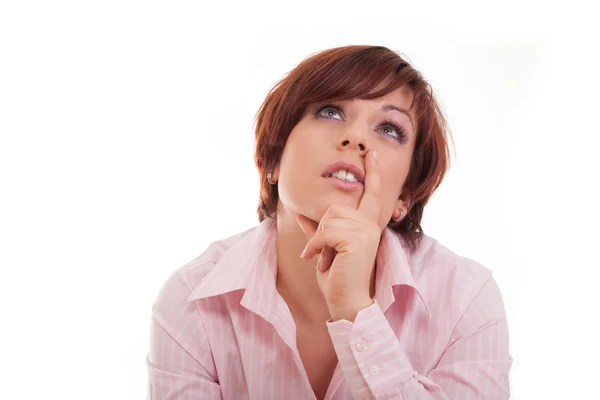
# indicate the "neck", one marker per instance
pixel 297 277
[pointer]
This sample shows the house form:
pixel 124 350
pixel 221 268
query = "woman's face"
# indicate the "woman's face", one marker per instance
pixel 325 135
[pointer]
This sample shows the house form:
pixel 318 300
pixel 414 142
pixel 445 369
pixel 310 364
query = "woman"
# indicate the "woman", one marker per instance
pixel 337 293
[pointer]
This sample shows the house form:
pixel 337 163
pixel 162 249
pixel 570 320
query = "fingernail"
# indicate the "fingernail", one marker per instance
pixel 375 156
pixel 303 253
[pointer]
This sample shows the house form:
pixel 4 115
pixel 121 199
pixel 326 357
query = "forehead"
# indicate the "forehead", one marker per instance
pixel 401 97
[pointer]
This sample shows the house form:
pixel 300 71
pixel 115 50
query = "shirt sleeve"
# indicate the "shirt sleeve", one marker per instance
pixel 179 360
pixel 475 365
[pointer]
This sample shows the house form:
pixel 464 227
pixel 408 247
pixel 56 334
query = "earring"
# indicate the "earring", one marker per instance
pixel 269 178
pixel 400 217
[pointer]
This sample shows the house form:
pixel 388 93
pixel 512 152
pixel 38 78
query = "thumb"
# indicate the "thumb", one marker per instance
pixel 308 226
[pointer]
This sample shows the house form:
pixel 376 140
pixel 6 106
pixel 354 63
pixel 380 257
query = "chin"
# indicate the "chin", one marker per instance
pixel 344 199
pixel 313 200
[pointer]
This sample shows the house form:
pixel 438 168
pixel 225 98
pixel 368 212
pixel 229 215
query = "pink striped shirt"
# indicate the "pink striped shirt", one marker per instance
pixel 437 328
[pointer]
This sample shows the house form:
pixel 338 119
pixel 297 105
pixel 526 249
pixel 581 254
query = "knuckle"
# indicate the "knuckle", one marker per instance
pixel 332 208
pixel 369 235
pixel 363 236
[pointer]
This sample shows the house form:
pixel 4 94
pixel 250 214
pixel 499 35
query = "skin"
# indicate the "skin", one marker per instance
pixel 353 220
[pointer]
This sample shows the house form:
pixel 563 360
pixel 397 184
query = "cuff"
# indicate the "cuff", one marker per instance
pixel 369 352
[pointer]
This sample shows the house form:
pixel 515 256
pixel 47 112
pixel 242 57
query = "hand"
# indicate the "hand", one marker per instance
pixel 345 242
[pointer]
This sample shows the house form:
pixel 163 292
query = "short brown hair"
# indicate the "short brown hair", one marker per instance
pixel 344 73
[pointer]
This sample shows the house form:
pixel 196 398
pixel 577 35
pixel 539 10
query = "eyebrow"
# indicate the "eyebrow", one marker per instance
pixel 390 107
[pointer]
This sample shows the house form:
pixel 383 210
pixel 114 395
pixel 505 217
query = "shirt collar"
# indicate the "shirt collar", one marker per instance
pixel 251 262
pixel 394 269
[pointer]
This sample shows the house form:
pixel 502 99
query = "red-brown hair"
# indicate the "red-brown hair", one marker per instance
pixel 345 73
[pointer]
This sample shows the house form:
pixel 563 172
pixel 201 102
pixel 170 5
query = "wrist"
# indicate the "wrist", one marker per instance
pixel 348 310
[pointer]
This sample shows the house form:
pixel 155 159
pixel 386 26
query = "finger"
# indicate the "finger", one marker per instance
pixel 369 202
pixel 308 226
pixel 327 254
pixel 335 238
pixel 341 211
pixel 344 223
pixel 326 259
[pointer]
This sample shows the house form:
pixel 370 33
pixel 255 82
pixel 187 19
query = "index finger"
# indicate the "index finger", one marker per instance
pixel 369 203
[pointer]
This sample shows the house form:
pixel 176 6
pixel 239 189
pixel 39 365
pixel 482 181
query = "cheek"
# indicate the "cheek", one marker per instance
pixel 303 142
pixel 392 180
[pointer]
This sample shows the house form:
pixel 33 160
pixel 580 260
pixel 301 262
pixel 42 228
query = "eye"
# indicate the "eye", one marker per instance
pixel 329 106
pixel 399 132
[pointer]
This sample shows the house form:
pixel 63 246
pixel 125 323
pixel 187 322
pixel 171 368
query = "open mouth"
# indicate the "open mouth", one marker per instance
pixel 344 175
pixel 344 171
pixel 344 184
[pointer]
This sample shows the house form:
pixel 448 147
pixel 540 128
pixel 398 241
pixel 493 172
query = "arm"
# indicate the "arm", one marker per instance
pixel 475 365
pixel 179 362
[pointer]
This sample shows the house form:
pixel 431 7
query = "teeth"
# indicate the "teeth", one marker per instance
pixel 350 177
pixel 344 175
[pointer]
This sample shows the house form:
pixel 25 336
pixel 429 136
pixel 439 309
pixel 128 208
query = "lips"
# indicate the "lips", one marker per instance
pixel 350 167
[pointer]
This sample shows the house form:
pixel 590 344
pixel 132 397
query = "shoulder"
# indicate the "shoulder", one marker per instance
pixel 195 270
pixel 178 286
pixel 459 276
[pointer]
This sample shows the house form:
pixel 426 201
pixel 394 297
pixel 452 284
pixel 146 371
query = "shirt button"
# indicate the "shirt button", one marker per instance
pixel 362 346
pixel 374 370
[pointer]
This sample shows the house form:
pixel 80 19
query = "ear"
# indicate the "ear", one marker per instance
pixel 401 204
pixel 275 175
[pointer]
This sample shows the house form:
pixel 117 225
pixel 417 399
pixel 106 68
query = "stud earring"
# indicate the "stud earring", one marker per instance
pixel 400 217
pixel 269 178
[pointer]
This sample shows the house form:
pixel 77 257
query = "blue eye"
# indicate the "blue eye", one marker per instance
pixel 400 134
pixel 325 107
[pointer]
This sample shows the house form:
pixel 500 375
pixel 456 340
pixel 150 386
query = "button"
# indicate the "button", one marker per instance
pixel 374 370
pixel 362 346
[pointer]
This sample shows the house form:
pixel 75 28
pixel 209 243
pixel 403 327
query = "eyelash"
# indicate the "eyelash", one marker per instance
pixel 399 129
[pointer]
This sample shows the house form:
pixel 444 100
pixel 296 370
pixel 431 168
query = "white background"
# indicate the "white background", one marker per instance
pixel 126 147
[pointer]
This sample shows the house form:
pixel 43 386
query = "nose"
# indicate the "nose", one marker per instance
pixel 354 142
pixel 355 136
